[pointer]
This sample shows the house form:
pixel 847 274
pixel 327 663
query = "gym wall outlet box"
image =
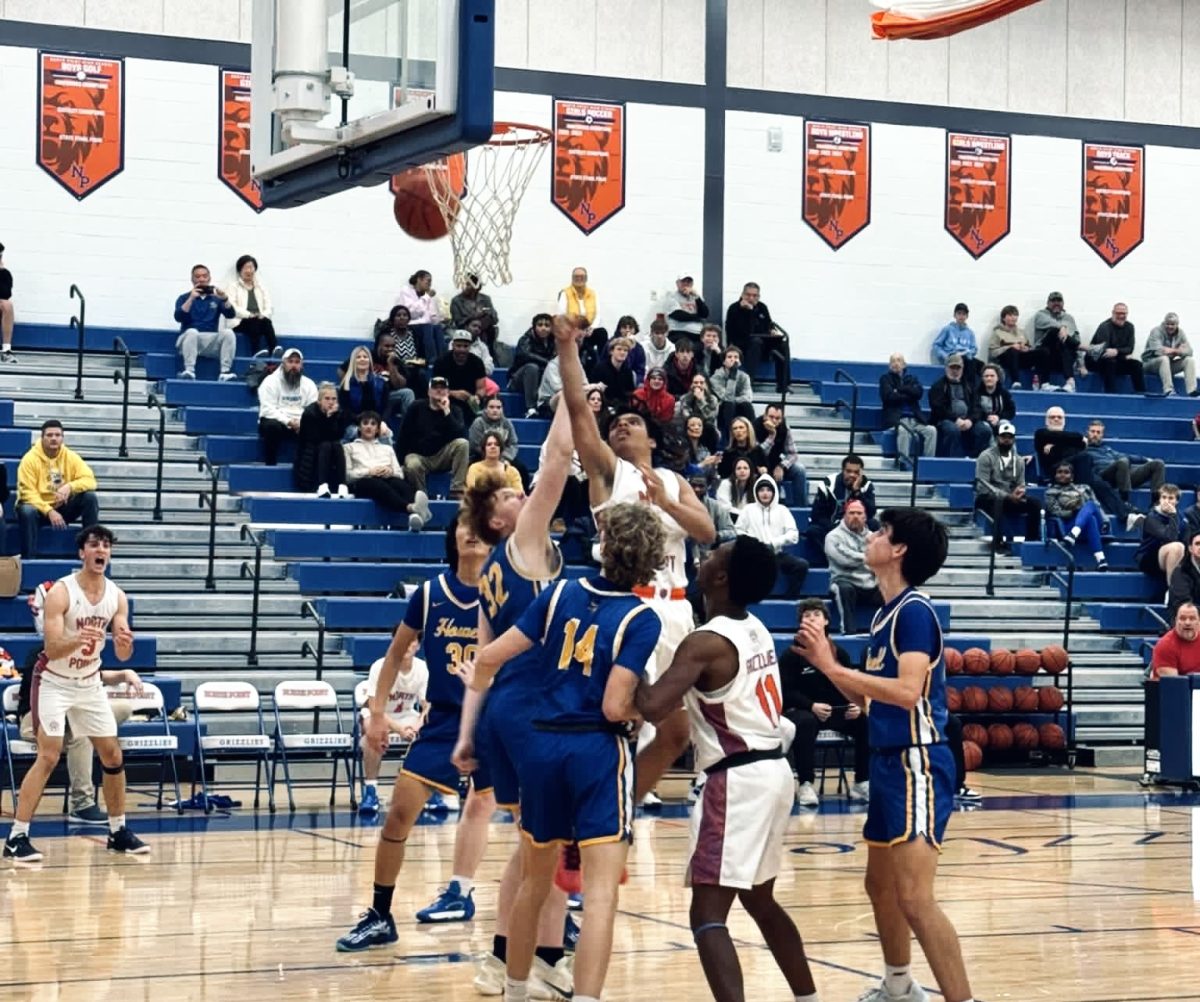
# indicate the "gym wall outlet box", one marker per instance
pixel 774 139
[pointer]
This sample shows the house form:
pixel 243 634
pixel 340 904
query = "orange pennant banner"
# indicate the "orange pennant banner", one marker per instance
pixel 837 179
pixel 233 160
pixel 81 135
pixel 589 161
pixel 1114 199
pixel 978 175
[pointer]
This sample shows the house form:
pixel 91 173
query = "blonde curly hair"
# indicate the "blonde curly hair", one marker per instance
pixel 633 545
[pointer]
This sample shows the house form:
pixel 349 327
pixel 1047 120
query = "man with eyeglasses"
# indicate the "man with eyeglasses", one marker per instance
pixel 954 409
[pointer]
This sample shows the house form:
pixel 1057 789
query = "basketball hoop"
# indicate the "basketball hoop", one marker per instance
pixel 479 214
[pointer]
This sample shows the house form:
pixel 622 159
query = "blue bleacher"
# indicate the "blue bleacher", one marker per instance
pixel 145 649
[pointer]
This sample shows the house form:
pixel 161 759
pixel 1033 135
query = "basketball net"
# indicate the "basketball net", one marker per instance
pixel 479 208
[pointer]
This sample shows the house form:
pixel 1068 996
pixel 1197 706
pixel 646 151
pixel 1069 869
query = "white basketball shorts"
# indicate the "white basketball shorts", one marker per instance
pixel 677 622
pixel 53 703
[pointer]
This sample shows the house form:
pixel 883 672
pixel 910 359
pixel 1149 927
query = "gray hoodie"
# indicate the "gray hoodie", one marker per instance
pixel 846 552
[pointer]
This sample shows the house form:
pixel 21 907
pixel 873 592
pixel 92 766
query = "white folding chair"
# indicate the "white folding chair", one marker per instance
pixel 362 693
pixel 230 697
pixel 162 746
pixel 334 745
pixel 17 748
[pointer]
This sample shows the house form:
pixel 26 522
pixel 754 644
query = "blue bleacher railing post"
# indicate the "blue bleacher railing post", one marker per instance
pixel 118 377
pixel 248 534
pixel 79 324
pixel 842 376
pixel 210 582
pixel 914 456
pixel 317 653
pixel 161 434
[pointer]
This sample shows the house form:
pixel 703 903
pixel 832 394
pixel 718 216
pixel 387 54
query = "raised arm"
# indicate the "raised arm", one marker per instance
pixel 531 538
pixel 688 511
pixel 597 458
pixel 695 657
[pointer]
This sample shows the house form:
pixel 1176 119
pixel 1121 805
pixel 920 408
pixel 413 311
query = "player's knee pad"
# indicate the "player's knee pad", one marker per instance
pixel 113 770
pixel 706 927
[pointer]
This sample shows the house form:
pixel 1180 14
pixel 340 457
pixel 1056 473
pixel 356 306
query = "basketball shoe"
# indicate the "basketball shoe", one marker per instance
pixel 372 930
pixel 451 905
pixel 369 805
pixel 551 983
pixel 124 841
pixel 489 978
pixel 21 850
pixel 880 994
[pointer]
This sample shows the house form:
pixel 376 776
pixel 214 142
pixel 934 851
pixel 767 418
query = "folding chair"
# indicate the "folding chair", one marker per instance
pixel 836 742
pixel 335 745
pixel 362 693
pixel 230 697
pixel 162 746
pixel 16 747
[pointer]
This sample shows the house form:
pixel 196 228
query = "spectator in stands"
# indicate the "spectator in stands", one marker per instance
pixel 614 374
pixel 534 352
pixel 681 367
pixel 1009 348
pixel 954 409
pixel 770 522
pixel 1000 488
pixel 494 464
pixel 252 305
pixel 783 461
pixel 374 472
pixel 362 389
pixel 420 300
pixel 320 462
pixel 282 397
pixel 684 309
pixel 465 375
pixel 721 514
pixel 737 489
pixel 652 397
pixel 1168 354
pixel 851 581
pixel 7 312
pixel 1184 585
pixel 629 329
pixel 656 346
pixel 479 348
pixel 900 393
pixel 743 445
pixel 749 326
pixel 1055 444
pixel 1111 351
pixel 1077 509
pixel 1163 532
pixel 1119 470
pixel 492 419
pixel 55 486
pixel 1057 344
pixel 433 439
pixel 711 354
pixel 1178 650
pixel 829 502
pixel 198 313
pixel 814 704
pixel 604 413
pixel 699 401
pixel 474 304
pixel 700 460
pixel 956 338
pixel 403 361
pixel 578 299
pixel 731 386
pixel 995 402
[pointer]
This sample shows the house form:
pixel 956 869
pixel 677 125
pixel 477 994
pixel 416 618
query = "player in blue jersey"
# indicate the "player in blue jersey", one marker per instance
pixel 444 614
pixel 524 561
pixel 594 639
pixel 912 768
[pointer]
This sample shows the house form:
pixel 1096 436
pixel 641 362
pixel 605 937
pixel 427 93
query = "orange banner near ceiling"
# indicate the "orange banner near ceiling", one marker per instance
pixel 837 179
pixel 81 135
pixel 589 161
pixel 233 158
pixel 978 174
pixel 1114 199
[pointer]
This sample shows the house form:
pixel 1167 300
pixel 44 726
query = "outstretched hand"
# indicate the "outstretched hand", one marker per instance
pixel 811 644
pixel 566 328
pixel 656 491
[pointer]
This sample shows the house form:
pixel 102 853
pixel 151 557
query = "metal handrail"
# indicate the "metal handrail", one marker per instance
pixel 914 454
pixel 990 588
pixel 79 324
pixel 1149 611
pixel 118 377
pixel 248 534
pixel 317 653
pixel 210 582
pixel 1069 553
pixel 786 358
pixel 152 401
pixel 842 376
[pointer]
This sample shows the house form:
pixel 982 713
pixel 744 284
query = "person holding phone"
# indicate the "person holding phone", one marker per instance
pixel 198 313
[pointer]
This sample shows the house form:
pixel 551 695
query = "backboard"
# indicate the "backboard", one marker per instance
pixel 346 93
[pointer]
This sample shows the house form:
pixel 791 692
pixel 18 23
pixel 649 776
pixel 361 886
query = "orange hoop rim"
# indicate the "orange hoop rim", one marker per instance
pixel 502 135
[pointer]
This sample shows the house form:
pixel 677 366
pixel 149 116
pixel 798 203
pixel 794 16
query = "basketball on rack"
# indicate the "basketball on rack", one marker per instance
pixel 976 661
pixel 1052 737
pixel 954 661
pixel 1003 661
pixel 1025 736
pixel 976 733
pixel 1050 698
pixel 1000 699
pixel 1000 737
pixel 1025 699
pixel 1054 659
pixel 416 210
pixel 974 699
pixel 953 699
pixel 1028 661
pixel 972 756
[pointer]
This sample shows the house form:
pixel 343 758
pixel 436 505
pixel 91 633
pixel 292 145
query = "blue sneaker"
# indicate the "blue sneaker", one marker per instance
pixel 436 804
pixel 451 905
pixel 372 930
pixel 575 902
pixel 370 801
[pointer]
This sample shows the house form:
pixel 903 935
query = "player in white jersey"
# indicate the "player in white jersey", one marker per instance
pixel 406 710
pixel 620 470
pixel 728 677
pixel 68 686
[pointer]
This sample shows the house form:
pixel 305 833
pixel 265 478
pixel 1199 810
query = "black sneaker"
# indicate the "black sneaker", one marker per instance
pixel 124 841
pixel 966 793
pixel 21 850
pixel 90 815
pixel 8 356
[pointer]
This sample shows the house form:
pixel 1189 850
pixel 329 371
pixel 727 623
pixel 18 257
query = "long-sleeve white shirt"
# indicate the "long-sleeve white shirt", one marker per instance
pixel 283 403
pixel 362 457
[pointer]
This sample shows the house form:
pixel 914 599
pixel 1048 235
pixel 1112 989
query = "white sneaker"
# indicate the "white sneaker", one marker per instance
pixel 551 983
pixel 227 377
pixel 806 795
pixel 343 491
pixel 652 799
pixel 860 793
pixel 880 994
pixel 1135 519
pixel 187 374
pixel 531 413
pixel 421 513
pixel 1069 385
pixel 323 491
pixel 489 977
pixel 1015 386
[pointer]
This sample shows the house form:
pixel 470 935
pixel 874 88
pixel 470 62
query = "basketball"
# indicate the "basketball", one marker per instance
pixel 976 661
pixel 1003 661
pixel 1000 737
pixel 1054 659
pixel 1000 699
pixel 976 733
pixel 974 699
pixel 954 661
pixel 1052 737
pixel 415 208
pixel 1025 699
pixel 972 756
pixel 1025 736
pixel 953 699
pixel 1050 698
pixel 1028 661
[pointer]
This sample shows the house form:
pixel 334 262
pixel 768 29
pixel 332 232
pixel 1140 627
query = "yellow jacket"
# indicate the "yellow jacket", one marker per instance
pixel 39 476
pixel 570 303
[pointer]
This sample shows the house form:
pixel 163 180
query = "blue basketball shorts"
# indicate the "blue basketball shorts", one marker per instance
pixel 428 760
pixel 912 795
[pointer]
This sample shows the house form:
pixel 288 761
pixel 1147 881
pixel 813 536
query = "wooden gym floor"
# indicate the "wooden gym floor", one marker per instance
pixel 1073 887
